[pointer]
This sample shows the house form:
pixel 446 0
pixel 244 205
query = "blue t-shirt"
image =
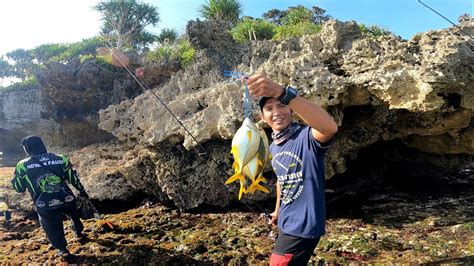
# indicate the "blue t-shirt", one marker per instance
pixel 298 163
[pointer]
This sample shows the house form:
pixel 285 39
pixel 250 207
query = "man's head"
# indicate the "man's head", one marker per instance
pixel 277 115
pixel 33 145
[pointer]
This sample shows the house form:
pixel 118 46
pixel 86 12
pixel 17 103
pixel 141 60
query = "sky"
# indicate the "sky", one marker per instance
pixel 30 23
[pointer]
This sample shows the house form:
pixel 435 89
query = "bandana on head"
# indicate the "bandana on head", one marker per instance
pixel 286 133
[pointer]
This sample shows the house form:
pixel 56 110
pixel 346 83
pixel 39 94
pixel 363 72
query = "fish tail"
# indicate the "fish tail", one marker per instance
pixel 237 176
pixel 242 190
pixel 256 185
pixel 261 188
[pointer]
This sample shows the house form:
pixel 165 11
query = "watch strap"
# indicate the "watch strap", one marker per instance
pixel 288 94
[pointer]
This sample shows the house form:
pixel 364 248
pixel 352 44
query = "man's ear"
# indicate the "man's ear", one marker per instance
pixel 259 117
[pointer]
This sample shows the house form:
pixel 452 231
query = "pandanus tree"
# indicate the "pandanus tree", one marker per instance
pixel 221 10
pixel 124 22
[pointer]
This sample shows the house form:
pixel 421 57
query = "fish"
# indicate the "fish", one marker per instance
pixel 251 168
pixel 245 145
pixel 257 165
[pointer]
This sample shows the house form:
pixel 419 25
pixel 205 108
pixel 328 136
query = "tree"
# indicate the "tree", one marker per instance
pixel 221 10
pixel 23 65
pixel 275 16
pixel 5 69
pixel 124 22
pixel 319 16
pixel 45 52
pixel 169 35
pixel 297 14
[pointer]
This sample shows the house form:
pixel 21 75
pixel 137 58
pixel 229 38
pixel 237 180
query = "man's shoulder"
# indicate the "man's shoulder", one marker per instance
pixel 22 163
pixel 54 155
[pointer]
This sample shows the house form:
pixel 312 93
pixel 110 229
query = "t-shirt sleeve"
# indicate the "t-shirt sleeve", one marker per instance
pixel 318 146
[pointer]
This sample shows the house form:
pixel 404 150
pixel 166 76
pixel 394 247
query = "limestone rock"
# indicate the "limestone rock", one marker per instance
pixel 378 90
pixel 411 102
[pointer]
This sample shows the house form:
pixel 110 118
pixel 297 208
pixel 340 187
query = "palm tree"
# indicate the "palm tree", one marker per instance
pixel 221 10
pixel 169 35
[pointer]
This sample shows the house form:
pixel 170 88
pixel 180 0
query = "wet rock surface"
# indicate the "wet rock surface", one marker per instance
pixel 396 221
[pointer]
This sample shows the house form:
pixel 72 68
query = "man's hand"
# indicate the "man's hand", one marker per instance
pixel 273 218
pixel 260 85
pixel 83 194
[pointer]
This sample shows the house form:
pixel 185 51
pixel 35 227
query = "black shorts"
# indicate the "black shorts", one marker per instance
pixel 292 250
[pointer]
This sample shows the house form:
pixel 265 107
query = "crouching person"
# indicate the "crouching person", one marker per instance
pixel 45 175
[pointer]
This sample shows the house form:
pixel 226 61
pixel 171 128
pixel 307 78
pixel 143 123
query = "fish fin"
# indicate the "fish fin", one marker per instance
pixel 256 186
pixel 249 135
pixel 234 151
pixel 235 166
pixel 261 188
pixel 242 190
pixel 260 178
pixel 237 176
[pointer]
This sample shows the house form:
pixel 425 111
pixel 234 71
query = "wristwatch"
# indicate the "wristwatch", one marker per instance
pixel 288 94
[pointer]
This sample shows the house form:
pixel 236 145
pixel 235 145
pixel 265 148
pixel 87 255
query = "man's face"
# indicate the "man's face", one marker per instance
pixel 276 114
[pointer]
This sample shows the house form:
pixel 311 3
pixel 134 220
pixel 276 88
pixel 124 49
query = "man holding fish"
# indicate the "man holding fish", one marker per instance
pixel 297 157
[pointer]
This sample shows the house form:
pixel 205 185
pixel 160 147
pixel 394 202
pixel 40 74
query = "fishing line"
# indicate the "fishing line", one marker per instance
pixel 146 88
pixel 430 8
pixel 462 31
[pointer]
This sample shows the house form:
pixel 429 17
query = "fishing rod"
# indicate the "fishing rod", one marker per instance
pixel 145 87
pixel 439 14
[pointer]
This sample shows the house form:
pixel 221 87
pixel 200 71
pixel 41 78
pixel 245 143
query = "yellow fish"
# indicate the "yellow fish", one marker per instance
pixel 245 146
pixel 254 169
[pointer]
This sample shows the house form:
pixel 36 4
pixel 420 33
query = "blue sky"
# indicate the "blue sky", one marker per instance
pixel 403 17
pixel 29 23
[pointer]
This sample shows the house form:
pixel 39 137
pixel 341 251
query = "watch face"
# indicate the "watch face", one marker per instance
pixel 292 90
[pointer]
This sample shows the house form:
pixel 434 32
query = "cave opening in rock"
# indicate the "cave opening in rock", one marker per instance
pixel 118 206
pixel 391 184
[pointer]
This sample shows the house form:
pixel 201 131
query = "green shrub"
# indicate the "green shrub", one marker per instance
pixel 298 30
pixel 163 51
pixel 181 50
pixel 45 52
pixel 373 31
pixel 185 52
pixel 298 15
pixel 263 30
pixel 86 57
pixel 84 47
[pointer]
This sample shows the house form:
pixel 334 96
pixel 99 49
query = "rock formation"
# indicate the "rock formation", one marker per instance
pixel 417 94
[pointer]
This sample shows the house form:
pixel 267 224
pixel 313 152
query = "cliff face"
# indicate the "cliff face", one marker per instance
pixel 414 98
pixel 21 114
pixel 63 108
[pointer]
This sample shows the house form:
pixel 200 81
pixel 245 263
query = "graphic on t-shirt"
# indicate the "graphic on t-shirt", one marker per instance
pixel 288 168
pixel 49 184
